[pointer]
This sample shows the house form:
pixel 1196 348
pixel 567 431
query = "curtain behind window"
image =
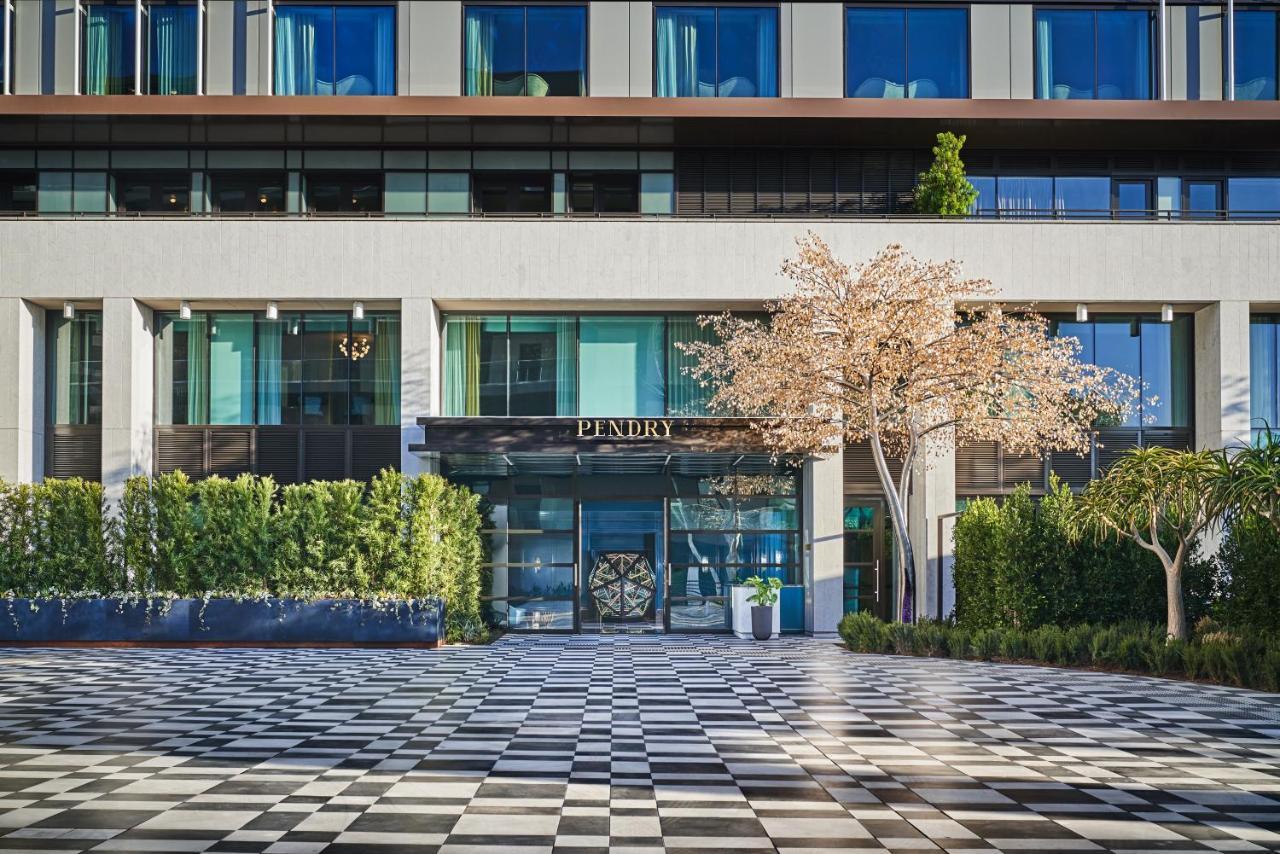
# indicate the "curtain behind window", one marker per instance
pixel 462 366
pixel 1264 373
pixel 479 51
pixel 296 51
pixel 171 52
pixel 108 50
pixel 270 338
pixel 385 79
pixel 677 56
pixel 767 56
pixel 386 371
pixel 197 369
pixel 685 396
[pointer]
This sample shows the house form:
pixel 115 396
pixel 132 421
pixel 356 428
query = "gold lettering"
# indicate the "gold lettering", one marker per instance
pixel 615 428
pixel 599 429
pixel 584 427
pixel 650 429
pixel 633 428
pixel 666 424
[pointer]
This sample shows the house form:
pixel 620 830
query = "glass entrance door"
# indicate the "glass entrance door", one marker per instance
pixel 622 565
pixel 868 562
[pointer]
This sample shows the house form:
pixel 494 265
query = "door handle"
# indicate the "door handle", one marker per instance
pixel 877 582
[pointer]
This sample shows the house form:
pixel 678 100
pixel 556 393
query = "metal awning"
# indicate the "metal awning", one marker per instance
pixel 619 463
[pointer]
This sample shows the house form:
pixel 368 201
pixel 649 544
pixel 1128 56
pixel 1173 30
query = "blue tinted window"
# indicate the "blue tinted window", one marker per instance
pixel 1088 54
pixel 706 52
pixel 1025 196
pixel 985 203
pixel 108 50
pixel 1253 197
pixel 518 50
pixel 1255 55
pixel 1203 197
pixel 171 49
pixel 906 53
pixel 1082 196
pixel 1133 198
pixel 335 50
pixel 1264 372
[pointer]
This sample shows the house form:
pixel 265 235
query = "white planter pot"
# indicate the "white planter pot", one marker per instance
pixel 742 613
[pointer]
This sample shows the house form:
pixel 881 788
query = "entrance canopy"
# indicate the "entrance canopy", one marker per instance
pixel 614 463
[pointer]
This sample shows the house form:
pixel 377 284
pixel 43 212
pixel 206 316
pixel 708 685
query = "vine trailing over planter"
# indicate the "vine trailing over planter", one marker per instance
pixel 394 539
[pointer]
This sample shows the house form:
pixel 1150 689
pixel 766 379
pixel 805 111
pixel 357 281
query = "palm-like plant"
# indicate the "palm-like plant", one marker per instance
pixel 1162 499
pixel 1252 484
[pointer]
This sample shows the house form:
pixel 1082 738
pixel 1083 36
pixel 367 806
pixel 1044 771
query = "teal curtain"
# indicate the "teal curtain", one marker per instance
pixel 108 50
pixel 462 366
pixel 676 73
pixel 566 366
pixel 1044 57
pixel 685 396
pixel 296 50
pixel 386 370
pixel 230 355
pixel 171 33
pixel 385 75
pixel 74 383
pixel 480 32
pixel 270 338
pixel 197 368
pixel 620 366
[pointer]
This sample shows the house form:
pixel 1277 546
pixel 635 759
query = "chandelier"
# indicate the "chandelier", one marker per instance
pixel 354 349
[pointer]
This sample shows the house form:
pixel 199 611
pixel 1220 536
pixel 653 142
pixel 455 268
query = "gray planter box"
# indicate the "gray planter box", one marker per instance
pixel 221 621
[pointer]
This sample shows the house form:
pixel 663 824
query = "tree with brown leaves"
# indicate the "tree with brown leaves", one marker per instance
pixel 898 353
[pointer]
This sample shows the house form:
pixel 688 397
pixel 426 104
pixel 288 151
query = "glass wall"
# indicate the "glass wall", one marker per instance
pixel 1255 55
pixel 1157 354
pixel 716 51
pixel 907 53
pixel 171 47
pixel 1253 198
pixel 563 365
pixel 73 368
pixel 1264 372
pixel 108 49
pixel 335 50
pixel 1093 54
pixel 238 367
pixel 525 50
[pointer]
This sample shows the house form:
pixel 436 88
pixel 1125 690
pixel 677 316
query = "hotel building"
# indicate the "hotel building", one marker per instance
pixel 313 239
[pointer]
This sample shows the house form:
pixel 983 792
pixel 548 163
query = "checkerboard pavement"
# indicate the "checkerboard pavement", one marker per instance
pixel 644 744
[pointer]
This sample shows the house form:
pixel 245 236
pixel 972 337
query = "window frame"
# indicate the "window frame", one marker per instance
pixel 333 5
pixel 585 5
pixel 717 6
pixel 1229 74
pixel 906 41
pixel 1153 65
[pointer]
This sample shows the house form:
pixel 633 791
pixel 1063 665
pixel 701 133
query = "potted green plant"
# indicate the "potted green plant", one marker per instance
pixel 763 599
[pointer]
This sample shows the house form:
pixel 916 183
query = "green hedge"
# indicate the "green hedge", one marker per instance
pixel 1214 655
pixel 1249 562
pixel 396 537
pixel 1017 566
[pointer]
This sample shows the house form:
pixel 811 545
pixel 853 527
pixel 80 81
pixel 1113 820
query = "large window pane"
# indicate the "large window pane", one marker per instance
pixel 543 353
pixel 280 370
pixel 1117 344
pixel 621 368
pixel 1253 198
pixel 720 51
pixel 875 53
pixel 108 49
pixel 18 191
pixel 155 192
pixel 748 53
pixel 204 368
pixel 1124 55
pixel 1064 61
pixel 304 50
pixel 1082 196
pixel 374 351
pixel 335 50
pixel 1018 196
pixel 732 548
pixel 1255 55
pixel 686 52
pixel 494 51
pixel 333 192
pixel 557 51
pixel 1264 372
pixel 937 53
pixel 686 395
pixel 230 364
pixel 475 365
pixel 512 192
pixel 325 368
pixel 241 192
pixel 171 49
pixel 74 368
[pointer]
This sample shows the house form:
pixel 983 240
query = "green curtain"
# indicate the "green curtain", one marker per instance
pixel 386 371
pixel 479 58
pixel 462 366
pixel 171 51
pixel 270 345
pixel 197 369
pixel 684 394
pixel 1180 372
pixel 566 366
pixel 108 50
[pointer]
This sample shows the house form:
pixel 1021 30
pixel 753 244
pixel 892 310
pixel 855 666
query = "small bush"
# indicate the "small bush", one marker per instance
pixel 958 643
pixel 931 638
pixel 1013 644
pixel 862 632
pixel 1164 657
pixel 986 643
pixel 903 638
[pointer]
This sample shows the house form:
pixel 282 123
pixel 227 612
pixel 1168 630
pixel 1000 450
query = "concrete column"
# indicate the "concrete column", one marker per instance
pixel 420 392
pixel 817 50
pixel 22 389
pixel 609 42
pixel 933 496
pixel 823 563
pixel 128 366
pixel 1222 374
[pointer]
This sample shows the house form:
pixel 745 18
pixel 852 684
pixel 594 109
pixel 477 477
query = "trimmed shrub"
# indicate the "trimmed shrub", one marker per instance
pixel 1249 559
pixel 986 643
pixel 172 497
pixel 69 544
pixel 316 537
pixel 233 539
pixel 862 632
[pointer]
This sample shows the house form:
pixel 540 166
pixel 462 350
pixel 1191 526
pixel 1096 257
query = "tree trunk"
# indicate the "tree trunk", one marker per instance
pixel 1173 594
pixel 904 600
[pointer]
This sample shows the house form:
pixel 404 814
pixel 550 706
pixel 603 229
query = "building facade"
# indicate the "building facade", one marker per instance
pixel 312 240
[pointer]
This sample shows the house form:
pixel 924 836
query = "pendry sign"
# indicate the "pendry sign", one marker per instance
pixel 624 428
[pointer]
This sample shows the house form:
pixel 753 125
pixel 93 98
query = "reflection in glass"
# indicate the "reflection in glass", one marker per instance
pixel 241 192
pixel 1264 373
pixel 906 53
pixel 475 363
pixel 1255 55
pixel 74 368
pixel 557 51
pixel 1133 198
pixel 171 48
pixel 374 350
pixel 325 368
pixel 1093 54
pixel 156 192
pixel 1253 198
pixel 335 50
pixel 108 49
pixel 716 51
pixel 621 366
pixel 543 365
pixel 525 50
pixel 204 368
pixel 686 394
pixel 1204 199
pixel 333 192
pixel 1082 196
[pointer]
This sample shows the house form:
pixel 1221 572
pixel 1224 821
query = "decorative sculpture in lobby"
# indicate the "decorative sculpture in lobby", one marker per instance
pixel 623 585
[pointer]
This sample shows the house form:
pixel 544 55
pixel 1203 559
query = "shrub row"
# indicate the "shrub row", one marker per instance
pixel 395 537
pixel 1249 574
pixel 1017 565
pixel 1214 654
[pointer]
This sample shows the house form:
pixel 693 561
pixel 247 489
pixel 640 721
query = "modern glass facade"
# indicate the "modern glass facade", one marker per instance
pixel 1264 372
pixel 525 50
pixel 237 367
pixel 108 57
pixel 1157 354
pixel 170 48
pixel 716 51
pixel 560 365
pixel 73 369
pixel 1103 54
pixel 335 50
pixel 907 53
pixel 1255 55
pixel 693 536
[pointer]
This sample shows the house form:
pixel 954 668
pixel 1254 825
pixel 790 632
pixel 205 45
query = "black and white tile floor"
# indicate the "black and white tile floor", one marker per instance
pixel 643 744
